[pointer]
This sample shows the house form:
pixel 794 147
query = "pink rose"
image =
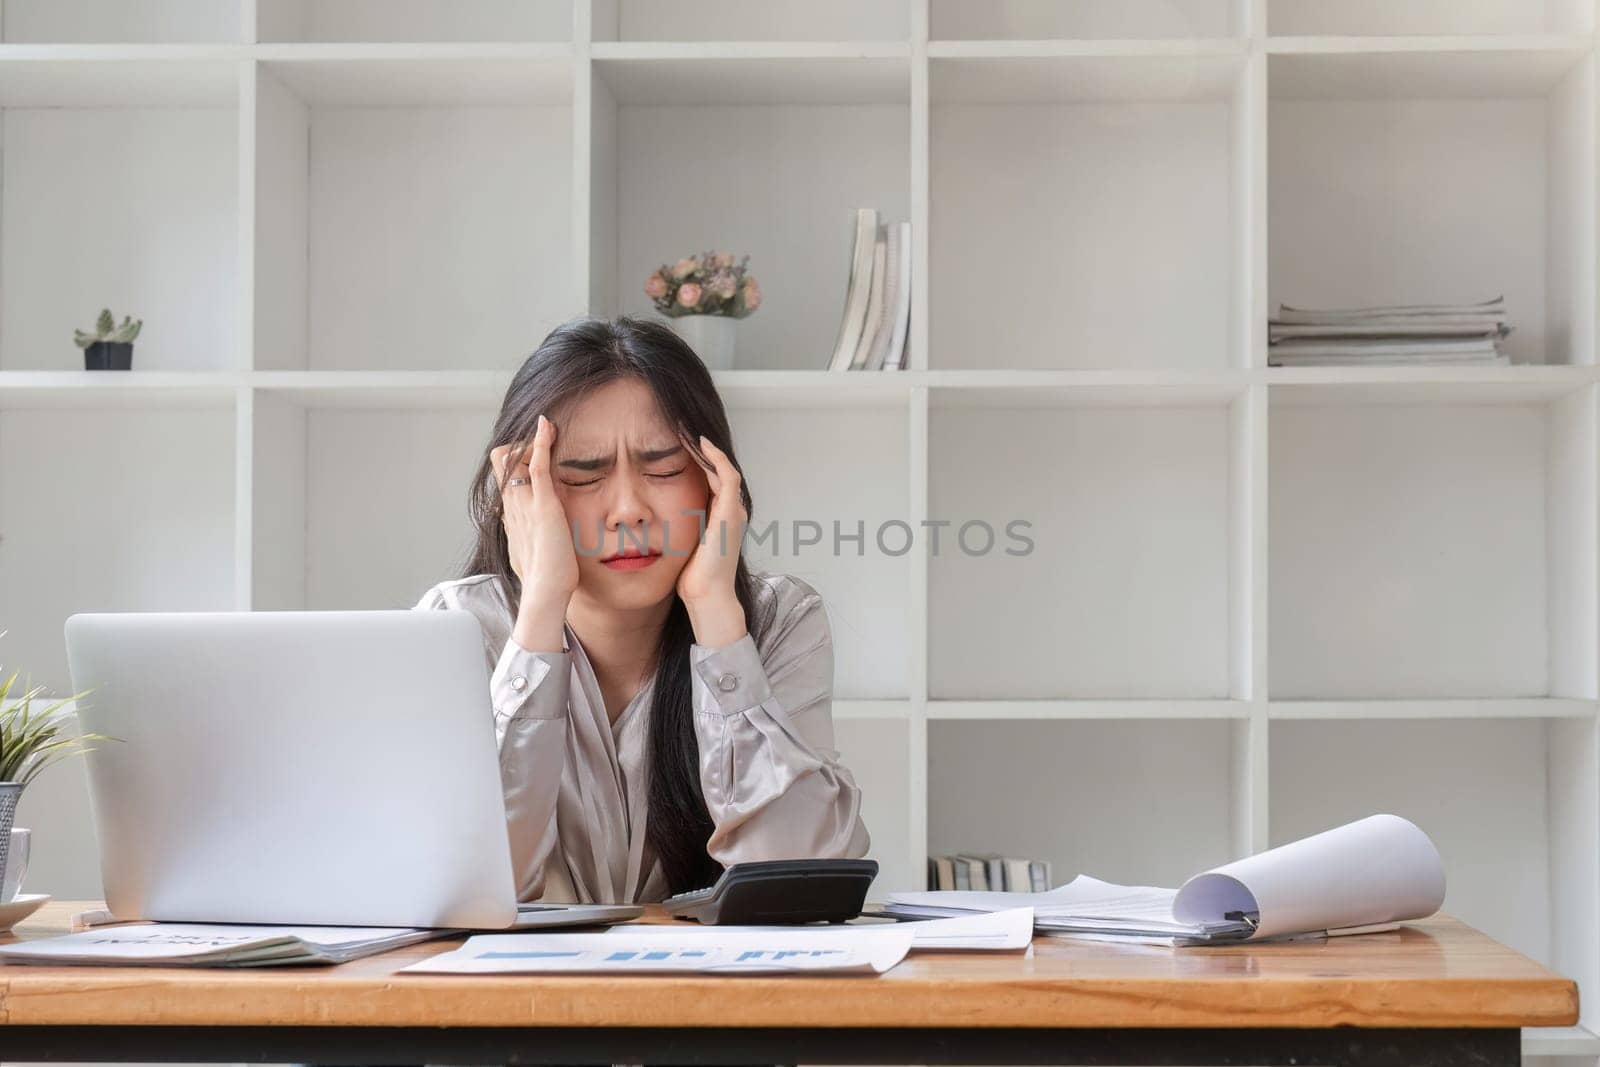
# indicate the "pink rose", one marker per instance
pixel 722 260
pixel 689 294
pixel 655 287
pixel 684 267
pixel 752 294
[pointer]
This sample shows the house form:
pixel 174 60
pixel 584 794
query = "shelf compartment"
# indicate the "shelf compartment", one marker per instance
pixel 1011 710
pixel 793 163
pixel 333 486
pixel 462 167
pixel 434 389
pixel 20 390
pixel 1085 389
pixel 173 263
pixel 1456 574
pixel 810 470
pixel 1424 17
pixel 725 20
pixel 1056 202
pixel 140 518
pixel 1482 790
pixel 1077 72
pixel 1037 19
pixel 413 20
pixel 1346 68
pixel 1534 708
pixel 1086 785
pixel 1437 174
pixel 876 753
pixel 118 21
pixel 1126 580
pixel 387 76
pixel 92 76
pixel 429 390
pixel 710 74
pixel 1462 385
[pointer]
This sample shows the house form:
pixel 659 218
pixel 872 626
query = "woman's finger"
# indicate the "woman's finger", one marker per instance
pixel 727 474
pixel 539 453
pixel 727 507
pixel 695 451
pixel 497 464
pixel 513 476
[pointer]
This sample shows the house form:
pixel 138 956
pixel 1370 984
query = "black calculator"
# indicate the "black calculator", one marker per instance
pixel 780 893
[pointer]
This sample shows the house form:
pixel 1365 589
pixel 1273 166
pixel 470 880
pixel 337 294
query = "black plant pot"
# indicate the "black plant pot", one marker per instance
pixel 108 355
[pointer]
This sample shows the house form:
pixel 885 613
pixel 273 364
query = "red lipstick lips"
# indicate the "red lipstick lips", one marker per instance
pixel 631 559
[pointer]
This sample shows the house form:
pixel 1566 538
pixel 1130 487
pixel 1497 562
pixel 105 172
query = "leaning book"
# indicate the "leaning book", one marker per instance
pixel 214 945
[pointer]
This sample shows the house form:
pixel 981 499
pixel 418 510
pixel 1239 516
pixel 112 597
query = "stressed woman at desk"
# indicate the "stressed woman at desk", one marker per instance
pixel 662 711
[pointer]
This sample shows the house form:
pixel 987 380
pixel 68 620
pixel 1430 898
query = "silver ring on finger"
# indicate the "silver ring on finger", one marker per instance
pixel 516 481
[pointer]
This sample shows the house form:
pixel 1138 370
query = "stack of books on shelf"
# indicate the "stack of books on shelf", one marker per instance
pixel 988 872
pixel 877 304
pixel 1397 335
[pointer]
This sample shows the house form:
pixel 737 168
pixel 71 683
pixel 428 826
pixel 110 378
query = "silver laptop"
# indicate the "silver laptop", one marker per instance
pixel 312 767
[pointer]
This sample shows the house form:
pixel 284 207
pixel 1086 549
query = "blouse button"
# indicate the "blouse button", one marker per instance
pixel 519 683
pixel 728 683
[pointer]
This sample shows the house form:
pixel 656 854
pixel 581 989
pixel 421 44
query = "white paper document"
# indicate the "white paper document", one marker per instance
pixel 214 945
pixel 1011 928
pixel 862 950
pixel 1373 872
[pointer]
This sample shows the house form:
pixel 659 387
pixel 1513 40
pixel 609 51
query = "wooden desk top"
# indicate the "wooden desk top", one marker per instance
pixel 1434 973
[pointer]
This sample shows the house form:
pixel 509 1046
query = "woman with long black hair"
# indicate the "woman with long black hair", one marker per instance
pixel 662 711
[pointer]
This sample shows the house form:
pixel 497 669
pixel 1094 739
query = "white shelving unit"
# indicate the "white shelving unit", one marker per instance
pixel 1260 601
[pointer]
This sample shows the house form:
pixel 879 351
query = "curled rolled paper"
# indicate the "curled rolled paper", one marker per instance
pixel 1376 870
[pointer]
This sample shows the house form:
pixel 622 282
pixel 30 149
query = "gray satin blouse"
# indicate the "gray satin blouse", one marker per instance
pixel 576 784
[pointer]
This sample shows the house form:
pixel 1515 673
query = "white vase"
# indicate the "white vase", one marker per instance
pixel 711 336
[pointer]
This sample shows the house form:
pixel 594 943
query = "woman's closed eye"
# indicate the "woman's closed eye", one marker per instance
pixel 648 474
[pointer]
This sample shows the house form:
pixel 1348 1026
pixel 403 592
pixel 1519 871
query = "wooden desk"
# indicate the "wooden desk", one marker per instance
pixel 1435 992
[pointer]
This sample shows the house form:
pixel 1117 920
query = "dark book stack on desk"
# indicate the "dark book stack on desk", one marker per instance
pixel 987 871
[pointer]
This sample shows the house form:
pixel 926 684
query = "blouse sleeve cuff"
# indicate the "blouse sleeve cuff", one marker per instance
pixel 731 678
pixel 519 674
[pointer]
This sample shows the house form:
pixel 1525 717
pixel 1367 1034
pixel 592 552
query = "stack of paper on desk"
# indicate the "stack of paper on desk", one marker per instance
pixel 702 950
pixel 1379 870
pixel 689 947
pixel 214 945
pixel 1010 928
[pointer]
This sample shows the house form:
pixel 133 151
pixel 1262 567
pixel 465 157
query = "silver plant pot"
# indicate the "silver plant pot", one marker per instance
pixel 10 792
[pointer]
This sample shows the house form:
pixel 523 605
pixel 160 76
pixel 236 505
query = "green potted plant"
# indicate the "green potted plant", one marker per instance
pixel 31 739
pixel 110 346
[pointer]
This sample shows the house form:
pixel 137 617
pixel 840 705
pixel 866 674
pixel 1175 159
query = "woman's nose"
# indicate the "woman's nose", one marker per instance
pixel 628 505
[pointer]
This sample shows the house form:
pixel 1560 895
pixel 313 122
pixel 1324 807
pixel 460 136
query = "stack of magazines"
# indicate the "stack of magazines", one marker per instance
pixel 1396 335
pixel 877 304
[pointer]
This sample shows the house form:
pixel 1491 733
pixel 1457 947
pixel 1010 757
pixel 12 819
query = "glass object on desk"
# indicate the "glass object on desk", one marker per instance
pixel 16 864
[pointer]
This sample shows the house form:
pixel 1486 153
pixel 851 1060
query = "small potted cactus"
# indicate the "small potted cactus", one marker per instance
pixel 110 346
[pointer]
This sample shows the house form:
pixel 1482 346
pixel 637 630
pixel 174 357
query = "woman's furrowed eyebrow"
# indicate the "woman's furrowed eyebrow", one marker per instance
pixel 651 455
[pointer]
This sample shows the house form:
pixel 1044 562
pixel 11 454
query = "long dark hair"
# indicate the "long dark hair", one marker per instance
pixel 576 357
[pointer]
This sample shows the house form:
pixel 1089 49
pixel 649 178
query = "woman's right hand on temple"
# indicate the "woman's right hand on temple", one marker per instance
pixel 538 538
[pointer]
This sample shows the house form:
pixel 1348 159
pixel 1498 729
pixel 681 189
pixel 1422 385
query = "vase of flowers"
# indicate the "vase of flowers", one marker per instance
pixel 703 296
